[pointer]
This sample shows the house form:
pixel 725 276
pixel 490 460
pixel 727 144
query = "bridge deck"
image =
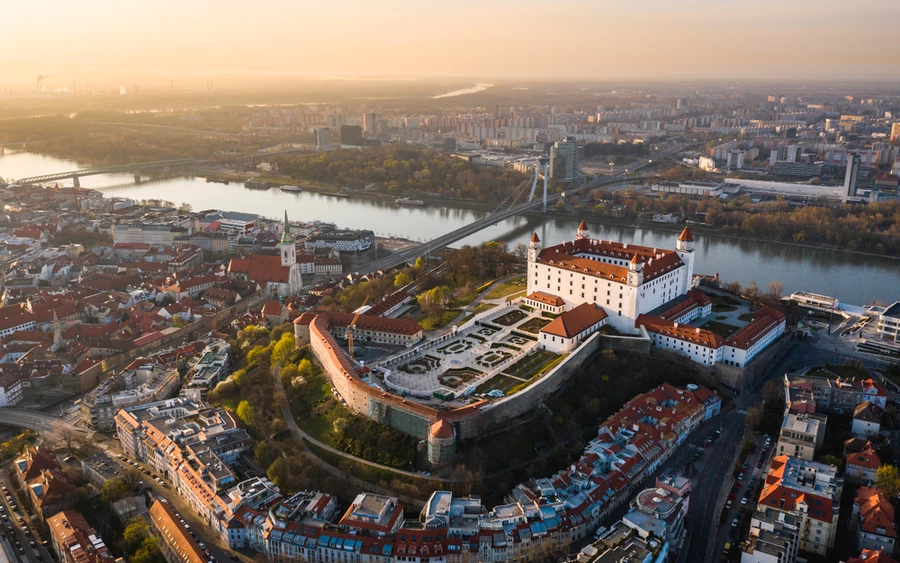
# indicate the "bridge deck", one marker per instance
pixel 137 166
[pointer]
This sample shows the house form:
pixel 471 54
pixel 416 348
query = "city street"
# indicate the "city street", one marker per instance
pixel 13 530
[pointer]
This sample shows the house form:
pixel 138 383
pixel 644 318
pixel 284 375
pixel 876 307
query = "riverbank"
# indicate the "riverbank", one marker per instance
pixel 474 205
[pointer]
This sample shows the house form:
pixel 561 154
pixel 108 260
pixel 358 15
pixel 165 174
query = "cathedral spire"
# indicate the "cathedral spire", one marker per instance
pixel 286 236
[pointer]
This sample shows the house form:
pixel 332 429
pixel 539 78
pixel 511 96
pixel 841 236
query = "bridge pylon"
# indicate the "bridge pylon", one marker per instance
pixel 543 167
pixel 76 182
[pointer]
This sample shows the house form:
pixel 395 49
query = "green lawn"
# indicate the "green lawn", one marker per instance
pixel 429 323
pixel 533 365
pixel 513 285
pixel 722 329
pixel 746 317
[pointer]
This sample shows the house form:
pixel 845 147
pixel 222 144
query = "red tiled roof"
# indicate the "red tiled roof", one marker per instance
pixel 657 262
pixel 441 429
pixel 547 299
pixel 175 535
pixel 872 556
pixel 576 321
pixel 684 332
pixel 764 321
pixel 261 268
pixel 865 458
pixel 686 235
pixel 875 512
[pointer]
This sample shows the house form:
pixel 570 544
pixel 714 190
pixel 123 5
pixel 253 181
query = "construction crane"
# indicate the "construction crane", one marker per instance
pixel 352 326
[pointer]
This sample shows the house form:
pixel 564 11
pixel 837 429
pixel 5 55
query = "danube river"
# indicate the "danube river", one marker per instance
pixel 854 278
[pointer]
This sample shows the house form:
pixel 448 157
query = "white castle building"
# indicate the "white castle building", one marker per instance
pixel 626 280
pixel 636 286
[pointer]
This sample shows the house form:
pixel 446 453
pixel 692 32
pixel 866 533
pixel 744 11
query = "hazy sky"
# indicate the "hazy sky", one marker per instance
pixel 603 39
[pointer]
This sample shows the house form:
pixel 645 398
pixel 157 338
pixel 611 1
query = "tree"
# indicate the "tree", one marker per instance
pixel 755 416
pixel 887 478
pixel 834 460
pixel 246 412
pixel 434 301
pixel 115 489
pixel 135 534
pixel 148 552
pixel 402 279
pixel 283 348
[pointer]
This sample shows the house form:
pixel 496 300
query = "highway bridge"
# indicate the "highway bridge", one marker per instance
pixel 35 420
pixel 136 167
pixel 410 255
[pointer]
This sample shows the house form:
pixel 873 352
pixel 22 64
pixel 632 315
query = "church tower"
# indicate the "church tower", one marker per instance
pixel 288 249
pixel 684 247
pixel 582 232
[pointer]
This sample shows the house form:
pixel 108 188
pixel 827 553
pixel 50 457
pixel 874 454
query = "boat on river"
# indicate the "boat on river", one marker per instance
pixel 254 185
pixel 292 189
pixel 405 201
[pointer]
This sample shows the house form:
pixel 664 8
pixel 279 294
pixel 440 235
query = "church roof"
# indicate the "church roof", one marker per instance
pixel 686 235
pixel 534 238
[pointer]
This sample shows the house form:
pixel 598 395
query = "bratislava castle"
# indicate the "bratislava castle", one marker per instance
pixel 626 280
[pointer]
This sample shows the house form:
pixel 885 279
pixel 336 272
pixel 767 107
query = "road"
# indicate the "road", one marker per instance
pixel 13 531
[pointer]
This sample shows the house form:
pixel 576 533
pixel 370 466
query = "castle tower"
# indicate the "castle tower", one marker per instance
pixel 441 442
pixel 534 248
pixel 582 232
pixel 684 247
pixel 288 249
pixel 635 271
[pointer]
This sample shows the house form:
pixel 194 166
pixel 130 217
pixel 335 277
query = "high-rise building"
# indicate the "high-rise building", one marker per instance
pixel 370 122
pixel 895 132
pixel 851 180
pixel 351 135
pixel 680 103
pixel 564 160
pixel 323 139
pixel 793 153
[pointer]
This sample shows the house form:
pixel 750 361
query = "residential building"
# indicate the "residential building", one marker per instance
pixel 75 541
pixel 861 461
pixel 774 538
pixel 866 420
pixel 822 394
pixel 323 139
pixel 99 468
pixel 176 543
pixel 873 518
pixel 808 490
pixel 373 515
pixel 142 381
pixel 801 435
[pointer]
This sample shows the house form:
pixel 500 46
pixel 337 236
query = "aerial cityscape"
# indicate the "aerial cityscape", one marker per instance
pixel 450 283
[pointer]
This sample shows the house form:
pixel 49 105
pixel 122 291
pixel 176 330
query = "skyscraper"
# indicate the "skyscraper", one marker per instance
pixel 852 178
pixel 323 139
pixel 370 122
pixel 351 135
pixel 564 160
pixel 895 132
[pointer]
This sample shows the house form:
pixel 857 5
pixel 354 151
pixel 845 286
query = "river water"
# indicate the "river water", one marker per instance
pixel 855 279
